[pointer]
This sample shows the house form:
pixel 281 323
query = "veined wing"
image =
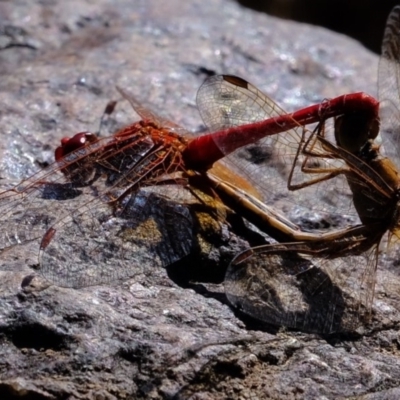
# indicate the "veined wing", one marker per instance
pixel 148 115
pixel 92 246
pixel 304 286
pixel 31 207
pixel 389 86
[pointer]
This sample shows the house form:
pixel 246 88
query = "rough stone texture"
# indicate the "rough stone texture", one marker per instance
pixel 153 337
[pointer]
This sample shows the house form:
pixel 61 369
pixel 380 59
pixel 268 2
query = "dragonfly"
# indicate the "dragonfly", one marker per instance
pixel 319 283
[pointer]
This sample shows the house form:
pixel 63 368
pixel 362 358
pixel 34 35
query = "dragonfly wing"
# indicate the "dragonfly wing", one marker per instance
pixel 286 285
pixel 147 115
pixel 90 248
pixel 27 213
pixel 389 85
pixel 226 101
pixel 29 209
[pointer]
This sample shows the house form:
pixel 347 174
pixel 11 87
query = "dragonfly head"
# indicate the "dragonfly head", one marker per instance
pixel 354 130
pixel 68 145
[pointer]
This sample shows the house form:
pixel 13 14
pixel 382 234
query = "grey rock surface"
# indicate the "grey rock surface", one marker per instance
pixel 153 337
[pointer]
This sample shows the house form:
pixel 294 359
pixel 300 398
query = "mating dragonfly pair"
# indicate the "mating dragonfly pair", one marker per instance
pixel 111 207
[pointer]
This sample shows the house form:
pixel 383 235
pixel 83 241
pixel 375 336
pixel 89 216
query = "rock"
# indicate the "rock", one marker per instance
pixel 156 336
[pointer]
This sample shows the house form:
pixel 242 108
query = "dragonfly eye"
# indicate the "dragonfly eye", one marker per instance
pixel 374 128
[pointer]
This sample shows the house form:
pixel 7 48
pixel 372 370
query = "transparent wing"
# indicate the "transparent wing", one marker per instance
pixel 30 208
pixel 290 285
pixel 389 86
pixel 148 115
pixel 89 248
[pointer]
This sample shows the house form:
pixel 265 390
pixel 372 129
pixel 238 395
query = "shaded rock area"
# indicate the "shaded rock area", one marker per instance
pixel 157 336
pixel 362 20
